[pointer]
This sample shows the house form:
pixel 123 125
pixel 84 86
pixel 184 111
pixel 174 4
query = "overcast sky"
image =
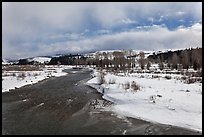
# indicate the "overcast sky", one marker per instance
pixel 37 29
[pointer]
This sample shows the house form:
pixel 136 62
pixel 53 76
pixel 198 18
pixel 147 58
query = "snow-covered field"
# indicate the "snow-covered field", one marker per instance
pixel 16 79
pixel 160 100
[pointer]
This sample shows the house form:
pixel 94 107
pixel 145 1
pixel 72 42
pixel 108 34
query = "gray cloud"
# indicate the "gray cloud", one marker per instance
pixel 156 38
pixel 30 29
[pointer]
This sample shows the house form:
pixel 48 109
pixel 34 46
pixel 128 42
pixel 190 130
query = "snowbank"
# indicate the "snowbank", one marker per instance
pixel 160 100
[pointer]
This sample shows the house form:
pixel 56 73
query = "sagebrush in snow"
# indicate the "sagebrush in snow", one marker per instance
pixel 134 86
pixel 101 78
pixel 190 80
pixel 152 98
pixel 112 81
pixel 167 77
pixel 14 74
pixel 22 75
pixel 126 86
pixel 36 74
pixel 155 76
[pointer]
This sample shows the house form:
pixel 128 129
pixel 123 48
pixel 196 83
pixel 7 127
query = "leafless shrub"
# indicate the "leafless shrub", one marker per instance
pixel 55 71
pixel 101 78
pixel 177 72
pixel 183 78
pixel 22 75
pixel 182 72
pixel 14 74
pixel 112 81
pixel 131 71
pixel 152 98
pixel 21 68
pixel 167 77
pixel 148 65
pixel 155 76
pixel 157 72
pixel 190 80
pixel 5 74
pixel 142 76
pixel 193 80
pixel 197 74
pixel 126 85
pixel 134 86
pixel 50 69
pixel 29 74
pixel 36 74
pixel 161 66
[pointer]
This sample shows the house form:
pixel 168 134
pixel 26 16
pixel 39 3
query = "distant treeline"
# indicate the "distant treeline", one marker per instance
pixel 180 58
pixel 68 60
pixel 129 59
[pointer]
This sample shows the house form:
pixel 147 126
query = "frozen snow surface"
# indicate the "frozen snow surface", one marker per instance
pixel 17 79
pixel 158 100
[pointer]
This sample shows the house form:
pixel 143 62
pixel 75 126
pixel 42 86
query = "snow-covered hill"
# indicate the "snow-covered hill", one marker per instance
pixel 41 59
pixel 134 52
pixel 8 62
pixel 5 62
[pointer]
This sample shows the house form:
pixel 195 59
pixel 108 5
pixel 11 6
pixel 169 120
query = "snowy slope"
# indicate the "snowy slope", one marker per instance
pixel 5 62
pixel 41 59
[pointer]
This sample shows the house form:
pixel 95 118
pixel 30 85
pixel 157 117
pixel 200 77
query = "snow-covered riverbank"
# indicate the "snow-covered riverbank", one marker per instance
pixel 160 100
pixel 17 79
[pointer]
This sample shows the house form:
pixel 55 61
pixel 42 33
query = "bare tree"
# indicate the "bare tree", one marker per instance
pixel 175 61
pixel 185 59
pixel 97 56
pixel 101 78
pixel 119 59
pixel 161 65
pixel 130 52
pixel 148 65
pixel 197 58
pixel 200 57
pixel 141 59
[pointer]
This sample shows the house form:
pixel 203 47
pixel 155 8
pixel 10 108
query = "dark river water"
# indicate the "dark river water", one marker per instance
pixel 66 106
